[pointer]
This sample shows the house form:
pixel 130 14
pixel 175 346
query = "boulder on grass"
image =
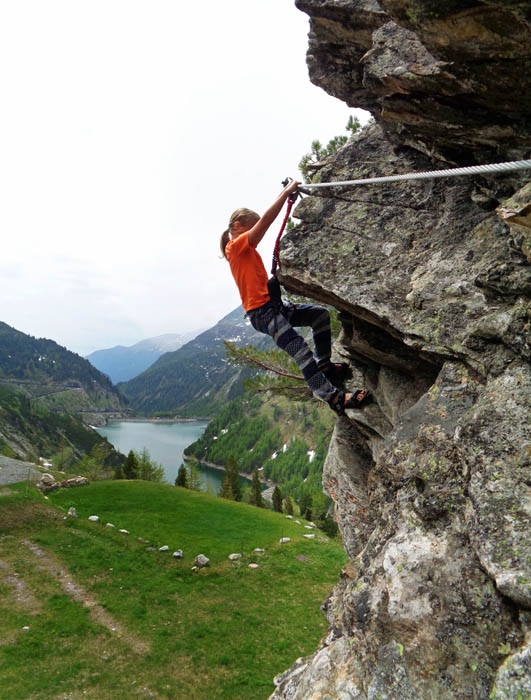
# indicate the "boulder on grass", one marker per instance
pixel 201 561
pixel 47 483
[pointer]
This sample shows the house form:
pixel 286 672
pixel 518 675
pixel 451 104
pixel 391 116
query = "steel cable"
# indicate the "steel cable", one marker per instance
pixel 426 175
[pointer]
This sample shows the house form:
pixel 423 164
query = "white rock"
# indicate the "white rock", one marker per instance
pixel 25 628
pixel 235 556
pixel 298 522
pixel 259 549
pixel 309 537
pixel 289 517
pixel 309 527
pixel 164 548
pixel 72 512
pixel 178 554
pixel 94 518
pixel 253 566
pixel 201 561
pixel 283 540
pixel 124 532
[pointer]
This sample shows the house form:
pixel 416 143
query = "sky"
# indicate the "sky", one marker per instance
pixel 129 132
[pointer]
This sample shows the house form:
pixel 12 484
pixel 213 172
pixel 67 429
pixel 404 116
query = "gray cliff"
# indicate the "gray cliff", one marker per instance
pixel 432 482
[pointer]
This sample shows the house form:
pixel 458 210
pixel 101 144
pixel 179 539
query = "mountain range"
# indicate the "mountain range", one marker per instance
pixel 122 363
pixel 196 380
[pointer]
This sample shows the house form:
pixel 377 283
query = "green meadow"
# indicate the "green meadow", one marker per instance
pixel 107 618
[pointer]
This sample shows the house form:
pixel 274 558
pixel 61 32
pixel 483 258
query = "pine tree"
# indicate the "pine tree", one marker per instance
pixel 305 505
pixel 256 490
pixel 288 506
pixel 194 478
pixel 226 485
pixel 182 477
pixel 282 374
pixel 312 162
pixel 277 500
pixel 233 471
pixel 131 466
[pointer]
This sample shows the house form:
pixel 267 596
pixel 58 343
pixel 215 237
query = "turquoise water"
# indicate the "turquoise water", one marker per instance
pixel 165 443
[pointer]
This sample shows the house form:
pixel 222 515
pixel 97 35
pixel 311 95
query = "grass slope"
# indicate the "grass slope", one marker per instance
pixel 223 632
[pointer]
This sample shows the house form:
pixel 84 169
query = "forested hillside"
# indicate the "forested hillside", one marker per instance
pixel 195 380
pixel 29 430
pixel 289 440
pixel 61 380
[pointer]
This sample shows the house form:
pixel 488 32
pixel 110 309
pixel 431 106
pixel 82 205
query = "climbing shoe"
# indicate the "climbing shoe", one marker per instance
pixel 359 398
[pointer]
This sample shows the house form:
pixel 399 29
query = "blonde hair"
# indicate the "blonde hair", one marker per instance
pixel 246 217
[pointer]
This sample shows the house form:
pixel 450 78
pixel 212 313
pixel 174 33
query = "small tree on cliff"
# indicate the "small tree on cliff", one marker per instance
pixel 311 162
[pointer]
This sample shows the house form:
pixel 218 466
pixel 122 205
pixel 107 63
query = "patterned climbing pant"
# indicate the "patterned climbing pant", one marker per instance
pixel 278 322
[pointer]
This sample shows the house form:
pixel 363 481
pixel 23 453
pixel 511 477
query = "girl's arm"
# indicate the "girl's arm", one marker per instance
pixel 257 232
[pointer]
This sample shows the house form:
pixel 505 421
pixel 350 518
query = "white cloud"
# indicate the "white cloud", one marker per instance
pixel 131 132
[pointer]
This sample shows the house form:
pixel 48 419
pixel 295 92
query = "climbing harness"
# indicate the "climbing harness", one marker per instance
pixel 426 175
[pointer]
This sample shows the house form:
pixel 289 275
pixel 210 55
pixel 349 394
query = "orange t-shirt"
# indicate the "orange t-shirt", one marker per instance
pixel 248 271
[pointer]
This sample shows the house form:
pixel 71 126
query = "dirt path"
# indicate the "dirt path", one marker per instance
pixel 23 595
pixel 48 563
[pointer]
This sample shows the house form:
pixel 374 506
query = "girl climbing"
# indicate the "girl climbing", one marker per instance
pixel 238 245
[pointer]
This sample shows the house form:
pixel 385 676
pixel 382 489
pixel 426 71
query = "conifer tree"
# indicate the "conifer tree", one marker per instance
pixel 226 485
pixel 288 506
pixel 232 469
pixel 306 506
pixel 194 478
pixel 277 500
pixel 182 477
pixel 257 499
pixel 131 466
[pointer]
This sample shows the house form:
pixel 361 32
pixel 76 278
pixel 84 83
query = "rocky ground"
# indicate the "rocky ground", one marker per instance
pixel 14 470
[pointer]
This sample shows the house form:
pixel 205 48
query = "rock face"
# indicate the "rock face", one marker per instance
pixel 445 77
pixel 431 482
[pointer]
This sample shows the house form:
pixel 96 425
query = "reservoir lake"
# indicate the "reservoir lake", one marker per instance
pixel 165 443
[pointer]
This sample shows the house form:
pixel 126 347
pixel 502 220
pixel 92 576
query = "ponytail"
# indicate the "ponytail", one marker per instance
pixel 225 238
pixel 244 216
